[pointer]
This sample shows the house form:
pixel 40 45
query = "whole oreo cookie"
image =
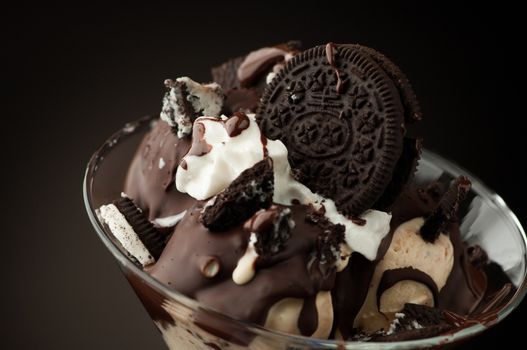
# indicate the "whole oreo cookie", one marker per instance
pixel 412 110
pixel 341 116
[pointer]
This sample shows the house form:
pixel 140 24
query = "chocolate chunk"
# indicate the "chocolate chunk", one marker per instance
pixel 153 240
pixel 446 211
pixel 249 192
pixel 272 228
pixel 340 116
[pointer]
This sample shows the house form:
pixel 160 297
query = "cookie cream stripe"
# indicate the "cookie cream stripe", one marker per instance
pixel 125 234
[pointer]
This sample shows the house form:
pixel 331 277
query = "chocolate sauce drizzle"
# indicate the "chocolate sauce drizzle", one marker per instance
pixel 263 140
pixel 392 277
pixel 199 146
pixel 183 164
pixel 236 124
pixel 308 318
pixel 330 54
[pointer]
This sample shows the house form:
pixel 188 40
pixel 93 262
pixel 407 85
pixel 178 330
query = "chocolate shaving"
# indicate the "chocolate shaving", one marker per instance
pixel 446 211
pixel 250 191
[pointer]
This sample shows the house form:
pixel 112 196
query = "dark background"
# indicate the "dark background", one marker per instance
pixel 75 75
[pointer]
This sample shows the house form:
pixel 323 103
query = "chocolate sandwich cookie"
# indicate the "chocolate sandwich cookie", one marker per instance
pixel 341 115
pixel 412 109
pixel 153 240
pixel 402 174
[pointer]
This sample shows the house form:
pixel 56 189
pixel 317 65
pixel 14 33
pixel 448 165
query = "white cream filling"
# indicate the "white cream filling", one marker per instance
pixel 169 221
pixel 125 234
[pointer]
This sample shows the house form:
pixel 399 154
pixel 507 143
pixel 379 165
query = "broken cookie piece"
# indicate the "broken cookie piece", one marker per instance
pixel 446 210
pixel 186 100
pixel 250 191
pixel 415 322
pixel 329 241
pixel 271 227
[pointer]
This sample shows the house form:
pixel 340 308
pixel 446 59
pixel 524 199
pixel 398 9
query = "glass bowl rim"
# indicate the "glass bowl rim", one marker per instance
pixel 427 156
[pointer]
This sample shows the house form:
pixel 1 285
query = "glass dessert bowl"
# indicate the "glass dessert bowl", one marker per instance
pixel 186 323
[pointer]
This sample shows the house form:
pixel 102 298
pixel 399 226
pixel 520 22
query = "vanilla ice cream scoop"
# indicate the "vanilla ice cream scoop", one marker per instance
pixel 407 250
